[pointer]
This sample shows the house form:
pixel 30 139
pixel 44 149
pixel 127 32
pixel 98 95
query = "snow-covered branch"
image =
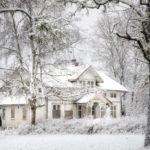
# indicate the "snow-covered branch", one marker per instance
pixel 14 10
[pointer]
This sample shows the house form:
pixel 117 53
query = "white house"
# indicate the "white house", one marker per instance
pixel 77 92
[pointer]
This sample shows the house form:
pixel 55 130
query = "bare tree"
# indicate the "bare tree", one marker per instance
pixel 41 30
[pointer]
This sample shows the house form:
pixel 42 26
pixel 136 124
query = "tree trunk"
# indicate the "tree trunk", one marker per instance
pixel 19 55
pixel 147 137
pixel 33 119
pixel 32 102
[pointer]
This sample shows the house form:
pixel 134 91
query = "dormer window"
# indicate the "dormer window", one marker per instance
pixel 113 95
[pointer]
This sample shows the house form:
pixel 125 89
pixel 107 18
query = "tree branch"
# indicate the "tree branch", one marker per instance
pixel 10 49
pixel 14 10
pixel 128 37
pixel 131 6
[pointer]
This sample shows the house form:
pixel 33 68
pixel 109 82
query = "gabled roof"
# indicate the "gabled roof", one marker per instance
pixel 106 82
pixel 78 75
pixel 92 96
pixel 86 98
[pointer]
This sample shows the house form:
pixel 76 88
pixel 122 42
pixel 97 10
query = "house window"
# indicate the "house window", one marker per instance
pixel 3 113
pixel 113 95
pixel 12 113
pixel 89 84
pixel 82 83
pixel 24 113
pixel 39 90
pixel 93 111
pixel 92 84
pixel 56 107
pixel 56 111
pixel 113 111
pixel 80 111
pixel 102 111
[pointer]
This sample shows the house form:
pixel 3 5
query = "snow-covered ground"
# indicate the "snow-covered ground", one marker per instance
pixel 72 142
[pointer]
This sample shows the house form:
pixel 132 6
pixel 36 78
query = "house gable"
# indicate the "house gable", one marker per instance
pixel 89 74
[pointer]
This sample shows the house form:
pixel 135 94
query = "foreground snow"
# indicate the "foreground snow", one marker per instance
pixel 72 142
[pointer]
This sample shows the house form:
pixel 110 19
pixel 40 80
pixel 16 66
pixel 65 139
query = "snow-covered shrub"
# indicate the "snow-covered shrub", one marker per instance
pixel 122 125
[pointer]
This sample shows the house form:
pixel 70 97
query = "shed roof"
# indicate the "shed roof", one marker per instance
pixel 13 100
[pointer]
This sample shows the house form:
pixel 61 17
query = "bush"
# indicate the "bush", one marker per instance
pixel 124 125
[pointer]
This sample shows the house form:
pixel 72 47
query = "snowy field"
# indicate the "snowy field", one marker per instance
pixel 72 142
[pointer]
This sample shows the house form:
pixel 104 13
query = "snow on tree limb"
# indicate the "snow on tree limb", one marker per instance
pixel 14 10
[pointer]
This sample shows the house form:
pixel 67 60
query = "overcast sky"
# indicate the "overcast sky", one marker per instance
pixel 86 24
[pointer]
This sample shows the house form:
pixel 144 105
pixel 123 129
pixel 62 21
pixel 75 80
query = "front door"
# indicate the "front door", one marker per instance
pixel 95 110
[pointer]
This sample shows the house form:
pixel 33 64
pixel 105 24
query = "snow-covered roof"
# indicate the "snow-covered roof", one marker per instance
pixel 90 96
pixel 13 100
pixel 110 84
pixel 77 73
pixel 86 98
pixel 106 84
pixel 60 81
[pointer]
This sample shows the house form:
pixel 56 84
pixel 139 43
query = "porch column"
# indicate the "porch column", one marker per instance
pixel 97 110
pixel 108 111
pixel 62 111
pixel 89 110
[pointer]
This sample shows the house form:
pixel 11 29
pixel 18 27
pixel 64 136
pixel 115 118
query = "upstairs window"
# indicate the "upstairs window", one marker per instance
pixel 13 113
pixel 87 84
pixel 113 95
pixel 92 84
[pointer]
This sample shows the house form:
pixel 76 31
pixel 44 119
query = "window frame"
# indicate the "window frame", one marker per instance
pixel 56 107
pixel 113 111
pixel 4 113
pixel 12 113
pixel 80 111
pixel 87 83
pixel 56 111
pixel 24 113
pixel 39 90
pixel 102 111
pixel 113 95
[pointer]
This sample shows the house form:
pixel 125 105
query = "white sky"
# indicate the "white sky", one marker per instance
pixel 86 25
